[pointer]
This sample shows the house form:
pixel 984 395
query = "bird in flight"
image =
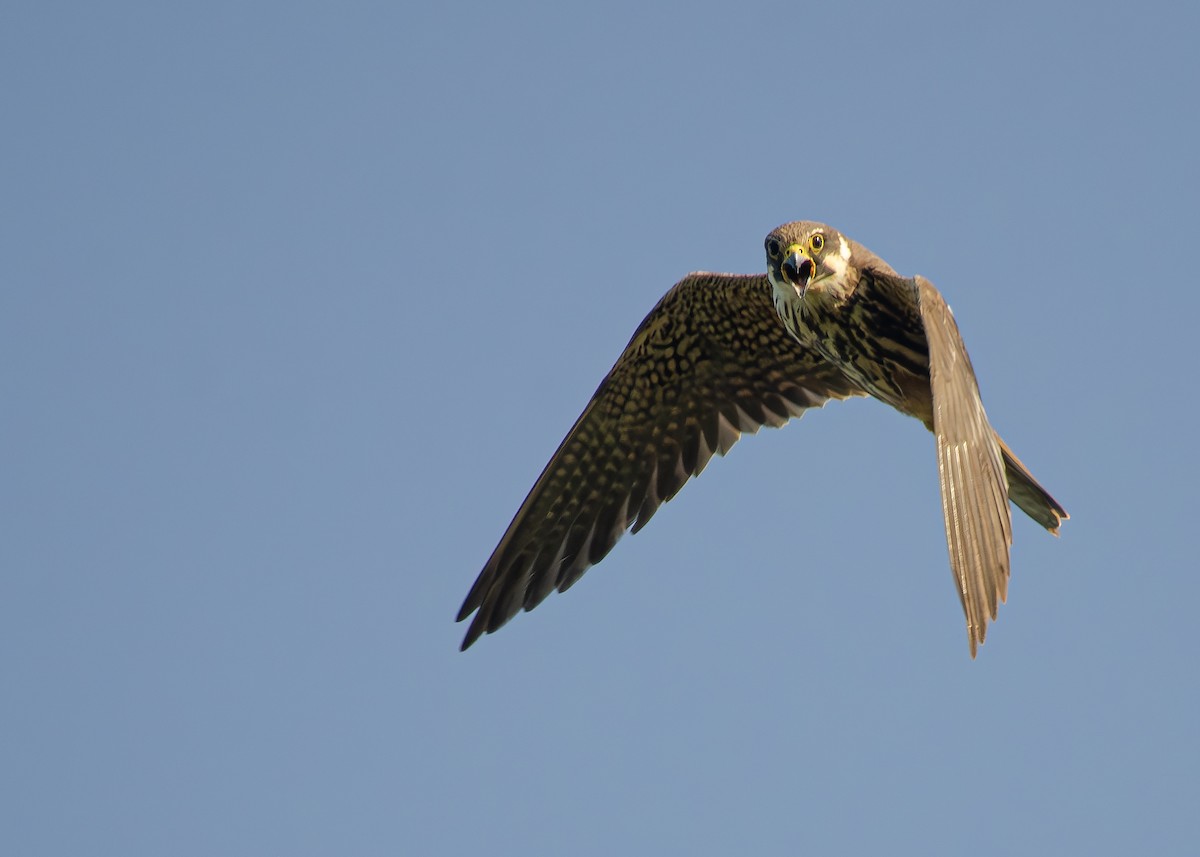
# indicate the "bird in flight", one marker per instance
pixel 722 355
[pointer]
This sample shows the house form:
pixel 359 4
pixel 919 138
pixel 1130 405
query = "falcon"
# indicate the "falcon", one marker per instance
pixel 722 355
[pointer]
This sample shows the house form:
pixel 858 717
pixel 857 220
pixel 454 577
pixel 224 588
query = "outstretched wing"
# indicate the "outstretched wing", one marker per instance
pixel 970 468
pixel 710 362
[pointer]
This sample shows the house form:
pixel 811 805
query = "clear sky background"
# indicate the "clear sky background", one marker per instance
pixel 297 299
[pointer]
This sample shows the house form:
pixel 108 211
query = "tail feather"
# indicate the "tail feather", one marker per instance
pixel 1032 499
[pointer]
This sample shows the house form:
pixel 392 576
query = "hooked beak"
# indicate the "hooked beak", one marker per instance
pixel 797 269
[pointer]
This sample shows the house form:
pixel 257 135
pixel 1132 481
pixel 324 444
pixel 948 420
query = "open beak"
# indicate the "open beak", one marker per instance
pixel 797 269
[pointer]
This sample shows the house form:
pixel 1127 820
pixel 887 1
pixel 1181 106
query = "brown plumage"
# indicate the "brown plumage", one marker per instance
pixel 713 361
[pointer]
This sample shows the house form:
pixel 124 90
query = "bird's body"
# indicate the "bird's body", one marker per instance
pixel 867 327
pixel 721 355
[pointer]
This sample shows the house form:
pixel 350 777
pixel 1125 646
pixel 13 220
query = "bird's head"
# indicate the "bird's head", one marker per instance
pixel 806 255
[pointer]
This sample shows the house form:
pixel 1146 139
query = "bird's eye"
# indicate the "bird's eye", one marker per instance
pixel 817 242
pixel 772 247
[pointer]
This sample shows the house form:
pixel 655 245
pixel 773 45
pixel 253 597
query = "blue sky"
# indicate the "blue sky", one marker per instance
pixel 298 299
